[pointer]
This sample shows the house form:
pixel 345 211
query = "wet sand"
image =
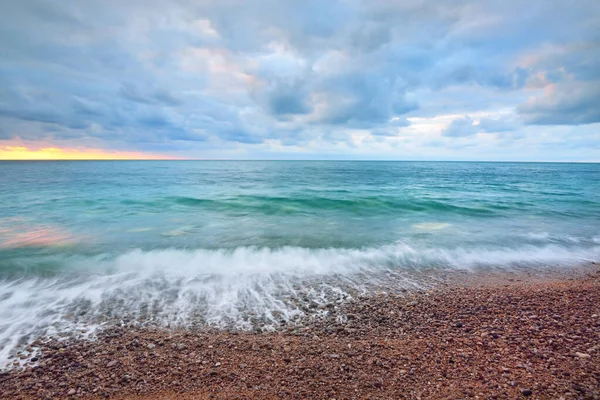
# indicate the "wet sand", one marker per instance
pixel 478 336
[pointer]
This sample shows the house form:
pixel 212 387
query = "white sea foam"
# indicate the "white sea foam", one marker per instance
pixel 537 235
pixel 244 288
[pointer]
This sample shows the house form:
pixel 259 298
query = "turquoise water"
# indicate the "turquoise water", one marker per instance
pixel 250 243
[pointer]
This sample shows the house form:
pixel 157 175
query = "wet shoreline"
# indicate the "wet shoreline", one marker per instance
pixel 485 335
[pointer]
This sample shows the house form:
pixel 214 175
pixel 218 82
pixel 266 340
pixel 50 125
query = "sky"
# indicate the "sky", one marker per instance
pixel 287 79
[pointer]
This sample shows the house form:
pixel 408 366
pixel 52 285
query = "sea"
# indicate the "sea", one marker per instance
pixel 257 245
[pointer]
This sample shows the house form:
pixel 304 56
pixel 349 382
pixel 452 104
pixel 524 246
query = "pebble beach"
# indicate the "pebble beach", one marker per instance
pixel 509 337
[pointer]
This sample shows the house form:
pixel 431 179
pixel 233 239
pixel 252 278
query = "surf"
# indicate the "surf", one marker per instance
pixel 242 288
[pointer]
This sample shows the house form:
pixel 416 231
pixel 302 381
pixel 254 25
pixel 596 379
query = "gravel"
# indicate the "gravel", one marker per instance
pixel 537 340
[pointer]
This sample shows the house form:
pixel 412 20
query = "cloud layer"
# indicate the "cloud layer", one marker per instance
pixel 311 79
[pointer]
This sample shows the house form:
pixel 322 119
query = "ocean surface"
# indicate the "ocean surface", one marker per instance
pixel 257 244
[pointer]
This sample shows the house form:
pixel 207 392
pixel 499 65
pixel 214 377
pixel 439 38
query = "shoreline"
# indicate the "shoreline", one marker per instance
pixel 478 335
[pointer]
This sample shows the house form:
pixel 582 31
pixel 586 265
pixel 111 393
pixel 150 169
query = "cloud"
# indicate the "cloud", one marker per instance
pixel 461 127
pixel 565 103
pixel 4 135
pixel 154 96
pixel 361 100
pixel 384 133
pixel 497 125
pixel 467 126
pixel 254 77
pixel 284 99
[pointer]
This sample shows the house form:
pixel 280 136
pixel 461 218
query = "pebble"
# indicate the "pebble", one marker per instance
pixel 415 351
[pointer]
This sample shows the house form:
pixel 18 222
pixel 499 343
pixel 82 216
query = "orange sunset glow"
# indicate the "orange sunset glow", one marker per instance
pixel 55 153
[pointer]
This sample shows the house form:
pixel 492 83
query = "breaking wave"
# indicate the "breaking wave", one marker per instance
pixel 244 288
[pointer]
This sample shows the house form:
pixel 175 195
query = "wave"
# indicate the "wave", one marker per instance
pixel 245 288
pixel 354 204
pixel 361 205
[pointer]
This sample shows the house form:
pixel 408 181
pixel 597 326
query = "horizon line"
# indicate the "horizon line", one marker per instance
pixel 300 160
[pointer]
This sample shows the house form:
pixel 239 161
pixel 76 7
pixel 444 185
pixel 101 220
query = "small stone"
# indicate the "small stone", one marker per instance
pixel 217 364
pixel 582 355
pixel 111 364
pixel 459 325
pixel 527 392
pixel 150 346
pixel 71 392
